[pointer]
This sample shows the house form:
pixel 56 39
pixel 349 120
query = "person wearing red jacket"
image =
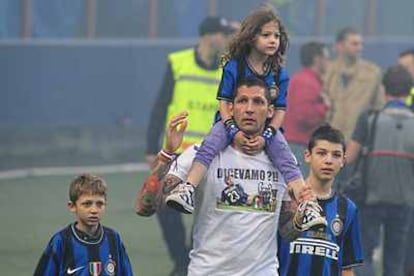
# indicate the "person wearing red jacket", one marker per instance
pixel 308 105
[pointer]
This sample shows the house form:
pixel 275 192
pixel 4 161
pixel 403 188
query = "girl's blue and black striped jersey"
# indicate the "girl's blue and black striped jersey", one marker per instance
pixel 234 70
pixel 326 251
pixel 71 252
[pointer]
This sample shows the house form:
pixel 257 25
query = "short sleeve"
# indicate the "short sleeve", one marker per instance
pixel 125 264
pixel 281 100
pixel 51 258
pixel 228 81
pixel 352 249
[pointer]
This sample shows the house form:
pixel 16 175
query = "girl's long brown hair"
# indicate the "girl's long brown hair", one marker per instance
pixel 244 40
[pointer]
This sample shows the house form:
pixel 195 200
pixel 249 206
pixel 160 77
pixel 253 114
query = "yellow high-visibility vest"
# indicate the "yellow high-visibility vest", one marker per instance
pixel 195 91
pixel 410 98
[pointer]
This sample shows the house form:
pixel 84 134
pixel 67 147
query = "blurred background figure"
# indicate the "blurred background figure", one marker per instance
pixel 352 83
pixel 308 105
pixel 190 83
pixel 406 59
pixel 389 177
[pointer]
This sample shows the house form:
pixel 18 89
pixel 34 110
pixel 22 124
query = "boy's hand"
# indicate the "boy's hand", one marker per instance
pixel 306 194
pixel 309 215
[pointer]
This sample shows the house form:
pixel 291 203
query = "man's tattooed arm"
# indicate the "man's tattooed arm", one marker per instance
pixel 149 197
pixel 287 228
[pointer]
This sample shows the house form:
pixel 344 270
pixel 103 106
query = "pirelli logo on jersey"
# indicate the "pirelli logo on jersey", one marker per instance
pixel 315 247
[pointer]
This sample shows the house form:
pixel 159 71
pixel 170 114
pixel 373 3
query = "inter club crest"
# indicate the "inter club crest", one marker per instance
pixel 110 267
pixel 337 226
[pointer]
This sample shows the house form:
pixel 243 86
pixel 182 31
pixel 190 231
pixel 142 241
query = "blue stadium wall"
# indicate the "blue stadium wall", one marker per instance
pixel 89 90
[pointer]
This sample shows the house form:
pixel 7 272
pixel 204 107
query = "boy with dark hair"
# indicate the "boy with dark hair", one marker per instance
pixel 85 247
pixel 335 249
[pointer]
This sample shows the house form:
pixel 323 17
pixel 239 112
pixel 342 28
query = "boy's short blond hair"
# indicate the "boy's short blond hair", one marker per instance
pixel 86 184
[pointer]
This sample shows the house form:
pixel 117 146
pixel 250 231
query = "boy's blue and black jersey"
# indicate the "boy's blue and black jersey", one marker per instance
pixel 326 251
pixel 277 82
pixel 71 252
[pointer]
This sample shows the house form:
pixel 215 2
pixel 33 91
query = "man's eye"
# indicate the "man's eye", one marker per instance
pixel 87 204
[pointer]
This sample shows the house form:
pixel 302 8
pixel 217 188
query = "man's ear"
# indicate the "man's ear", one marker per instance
pixel 271 111
pixel 231 108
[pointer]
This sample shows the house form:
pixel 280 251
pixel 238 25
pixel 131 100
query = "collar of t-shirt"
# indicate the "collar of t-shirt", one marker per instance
pixel 267 69
pixel 86 237
pixel 202 64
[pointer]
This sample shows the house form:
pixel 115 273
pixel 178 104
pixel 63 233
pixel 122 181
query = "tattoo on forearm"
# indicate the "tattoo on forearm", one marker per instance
pixel 149 196
pixel 286 227
pixel 160 169
pixel 286 212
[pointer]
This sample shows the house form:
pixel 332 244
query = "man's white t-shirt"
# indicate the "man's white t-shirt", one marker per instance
pixel 236 219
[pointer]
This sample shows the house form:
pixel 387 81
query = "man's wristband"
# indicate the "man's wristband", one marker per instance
pixel 165 156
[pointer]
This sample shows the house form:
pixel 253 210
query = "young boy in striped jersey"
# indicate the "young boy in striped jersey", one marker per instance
pixel 85 247
pixel 336 248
